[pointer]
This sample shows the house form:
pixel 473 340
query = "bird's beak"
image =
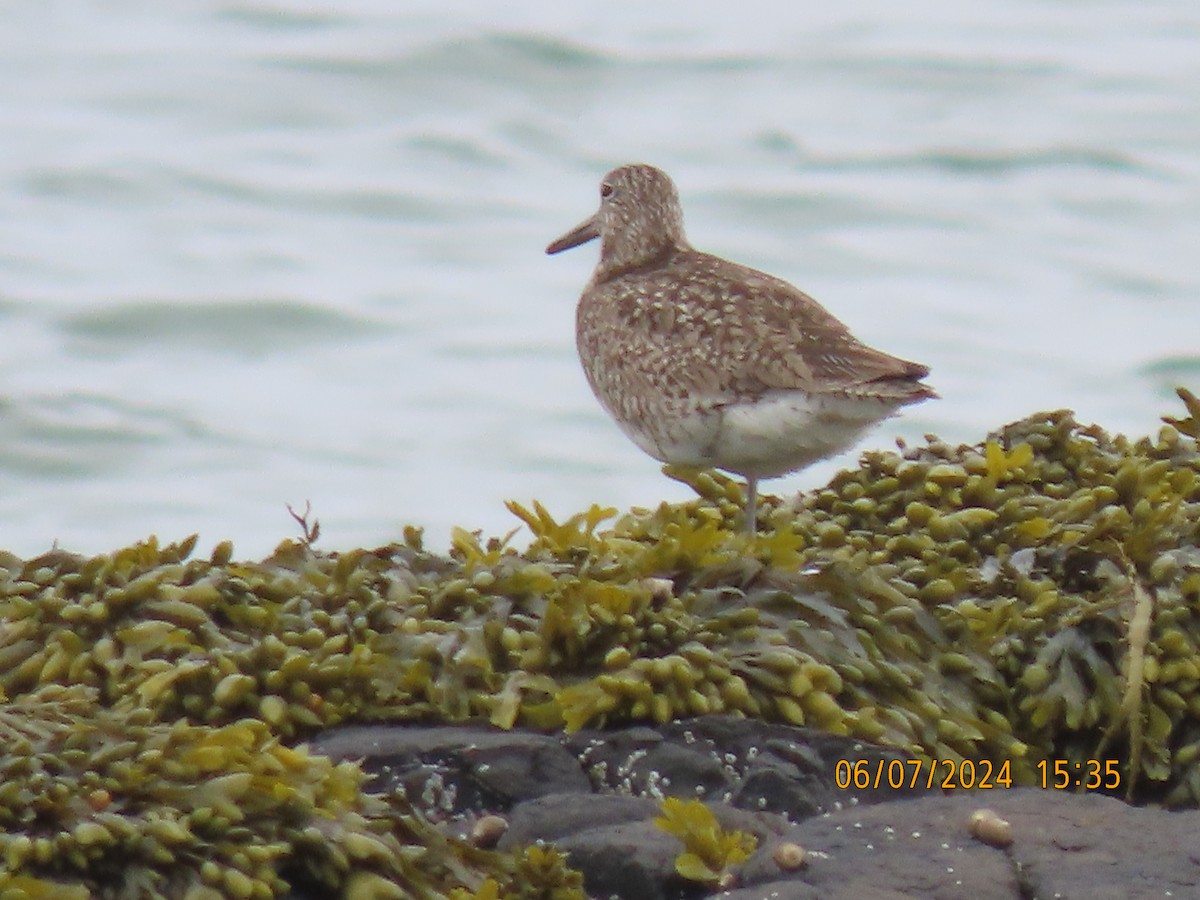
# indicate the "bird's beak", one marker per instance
pixel 581 234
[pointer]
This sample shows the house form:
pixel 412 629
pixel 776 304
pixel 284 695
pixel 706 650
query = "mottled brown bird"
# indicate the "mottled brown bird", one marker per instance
pixel 705 362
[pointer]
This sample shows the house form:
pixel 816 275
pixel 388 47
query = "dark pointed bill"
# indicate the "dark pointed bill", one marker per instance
pixel 581 234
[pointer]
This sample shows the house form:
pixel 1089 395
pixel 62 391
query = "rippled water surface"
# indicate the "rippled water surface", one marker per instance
pixel 253 254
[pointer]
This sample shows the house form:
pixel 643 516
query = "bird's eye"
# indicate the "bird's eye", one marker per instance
pixel 606 190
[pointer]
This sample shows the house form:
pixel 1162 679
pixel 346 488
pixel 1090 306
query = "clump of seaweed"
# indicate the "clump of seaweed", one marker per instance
pixel 710 853
pixel 1033 596
pixel 538 873
pixel 286 641
pixel 92 799
pixel 535 872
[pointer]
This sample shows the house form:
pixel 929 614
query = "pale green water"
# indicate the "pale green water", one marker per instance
pixel 258 253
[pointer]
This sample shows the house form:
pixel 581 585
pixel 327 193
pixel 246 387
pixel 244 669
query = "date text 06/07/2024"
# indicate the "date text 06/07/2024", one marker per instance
pixel 948 774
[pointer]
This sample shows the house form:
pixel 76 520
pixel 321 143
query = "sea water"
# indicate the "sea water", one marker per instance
pixel 255 254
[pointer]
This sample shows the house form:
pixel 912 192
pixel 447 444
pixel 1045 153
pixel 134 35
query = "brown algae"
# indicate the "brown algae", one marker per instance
pixel 1033 596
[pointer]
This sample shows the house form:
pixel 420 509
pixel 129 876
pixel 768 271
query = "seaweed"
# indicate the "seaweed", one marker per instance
pixel 710 852
pixel 1032 596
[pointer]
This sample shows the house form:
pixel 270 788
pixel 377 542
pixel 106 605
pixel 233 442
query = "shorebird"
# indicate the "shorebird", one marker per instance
pixel 705 362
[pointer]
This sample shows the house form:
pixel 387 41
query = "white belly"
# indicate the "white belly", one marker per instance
pixel 778 433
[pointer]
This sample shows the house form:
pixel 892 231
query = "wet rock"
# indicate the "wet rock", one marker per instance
pixel 595 796
pixel 452 770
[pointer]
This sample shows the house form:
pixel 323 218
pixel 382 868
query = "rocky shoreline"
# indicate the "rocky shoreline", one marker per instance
pixel 654 704
pixel 596 795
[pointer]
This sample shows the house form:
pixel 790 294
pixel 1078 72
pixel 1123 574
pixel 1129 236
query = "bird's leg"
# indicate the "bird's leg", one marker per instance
pixel 751 503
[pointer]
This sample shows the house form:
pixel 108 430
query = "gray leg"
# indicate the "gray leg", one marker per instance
pixel 751 503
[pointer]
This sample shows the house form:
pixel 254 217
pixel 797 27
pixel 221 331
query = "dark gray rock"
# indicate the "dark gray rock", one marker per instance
pixel 631 860
pixel 750 764
pixel 595 795
pixel 450 771
pixel 561 815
